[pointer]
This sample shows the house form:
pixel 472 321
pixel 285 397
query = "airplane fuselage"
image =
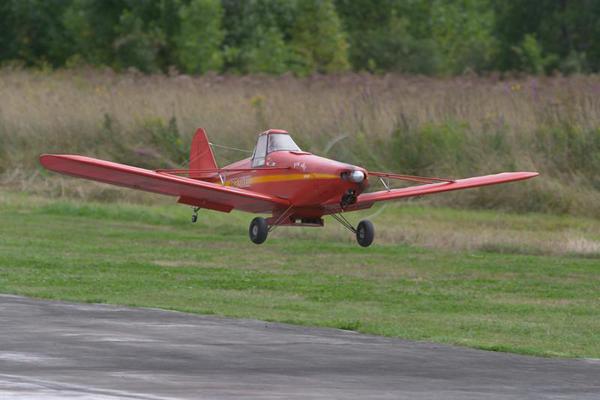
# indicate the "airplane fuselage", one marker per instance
pixel 307 180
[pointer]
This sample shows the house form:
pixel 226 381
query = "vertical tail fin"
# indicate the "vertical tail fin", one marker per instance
pixel 201 155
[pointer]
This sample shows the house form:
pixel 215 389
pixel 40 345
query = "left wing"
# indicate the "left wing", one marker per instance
pixel 367 199
pixel 190 191
pixel 431 186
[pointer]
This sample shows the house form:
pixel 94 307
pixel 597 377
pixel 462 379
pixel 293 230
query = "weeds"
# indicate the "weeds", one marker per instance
pixel 447 127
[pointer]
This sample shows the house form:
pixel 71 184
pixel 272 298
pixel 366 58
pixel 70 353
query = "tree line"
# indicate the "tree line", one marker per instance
pixel 432 37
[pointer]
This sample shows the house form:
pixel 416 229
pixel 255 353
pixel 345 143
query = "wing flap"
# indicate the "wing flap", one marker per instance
pixel 421 190
pixel 191 190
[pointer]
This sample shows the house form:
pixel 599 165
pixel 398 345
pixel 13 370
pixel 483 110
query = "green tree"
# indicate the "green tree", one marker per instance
pixel 389 35
pixel 265 51
pixel 565 32
pixel 135 46
pixel 531 56
pixel 318 41
pixel 371 44
pixel 200 36
pixel 168 21
pixel 93 28
pixel 257 35
pixel 122 33
pixel 463 32
pixel 78 33
pixel 32 31
pixel 305 36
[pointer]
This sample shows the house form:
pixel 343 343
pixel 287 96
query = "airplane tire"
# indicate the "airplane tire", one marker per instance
pixel 365 233
pixel 258 230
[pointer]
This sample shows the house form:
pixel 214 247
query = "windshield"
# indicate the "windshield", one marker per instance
pixel 281 142
pixel 260 151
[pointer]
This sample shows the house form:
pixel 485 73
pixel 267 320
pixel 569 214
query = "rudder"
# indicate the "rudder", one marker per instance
pixel 201 155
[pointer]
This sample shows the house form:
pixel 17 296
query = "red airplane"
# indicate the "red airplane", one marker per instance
pixel 295 187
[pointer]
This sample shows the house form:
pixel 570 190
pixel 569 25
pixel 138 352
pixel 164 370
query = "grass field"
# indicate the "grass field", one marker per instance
pixel 519 283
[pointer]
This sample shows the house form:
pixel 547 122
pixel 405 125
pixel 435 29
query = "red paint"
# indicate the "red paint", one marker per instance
pixel 294 186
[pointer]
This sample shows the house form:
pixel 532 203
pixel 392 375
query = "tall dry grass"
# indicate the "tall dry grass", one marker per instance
pixel 451 127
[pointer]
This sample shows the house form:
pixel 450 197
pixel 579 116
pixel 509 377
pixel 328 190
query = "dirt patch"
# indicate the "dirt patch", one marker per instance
pixel 175 263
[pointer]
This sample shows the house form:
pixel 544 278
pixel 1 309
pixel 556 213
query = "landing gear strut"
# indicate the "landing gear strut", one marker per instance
pixel 365 231
pixel 195 214
pixel 259 229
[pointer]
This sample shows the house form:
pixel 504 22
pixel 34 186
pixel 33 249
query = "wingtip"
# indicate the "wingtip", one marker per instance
pixel 531 174
pixel 519 175
pixel 45 159
pixel 49 160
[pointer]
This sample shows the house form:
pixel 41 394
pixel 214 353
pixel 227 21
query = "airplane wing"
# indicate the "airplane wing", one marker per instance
pixel 441 186
pixel 431 186
pixel 190 191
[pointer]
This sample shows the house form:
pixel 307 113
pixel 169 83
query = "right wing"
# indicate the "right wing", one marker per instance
pixel 190 191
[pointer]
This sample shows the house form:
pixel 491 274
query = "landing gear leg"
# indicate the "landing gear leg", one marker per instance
pixel 365 232
pixel 195 214
pixel 259 229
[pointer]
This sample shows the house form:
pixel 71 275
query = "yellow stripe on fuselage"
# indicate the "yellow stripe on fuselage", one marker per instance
pixel 284 178
pixel 290 177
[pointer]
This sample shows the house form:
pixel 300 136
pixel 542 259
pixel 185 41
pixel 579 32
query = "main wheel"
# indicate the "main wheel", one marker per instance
pixel 365 233
pixel 258 230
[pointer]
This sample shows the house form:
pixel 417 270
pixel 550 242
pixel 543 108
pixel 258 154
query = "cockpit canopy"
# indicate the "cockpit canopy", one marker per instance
pixel 269 142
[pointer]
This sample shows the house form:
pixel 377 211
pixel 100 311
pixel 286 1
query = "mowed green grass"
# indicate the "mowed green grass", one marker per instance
pixel 153 256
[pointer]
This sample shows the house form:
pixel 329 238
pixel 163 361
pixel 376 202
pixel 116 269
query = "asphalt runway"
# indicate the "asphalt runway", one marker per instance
pixel 56 350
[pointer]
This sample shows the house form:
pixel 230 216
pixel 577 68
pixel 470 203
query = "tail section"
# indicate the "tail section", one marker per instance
pixel 201 156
